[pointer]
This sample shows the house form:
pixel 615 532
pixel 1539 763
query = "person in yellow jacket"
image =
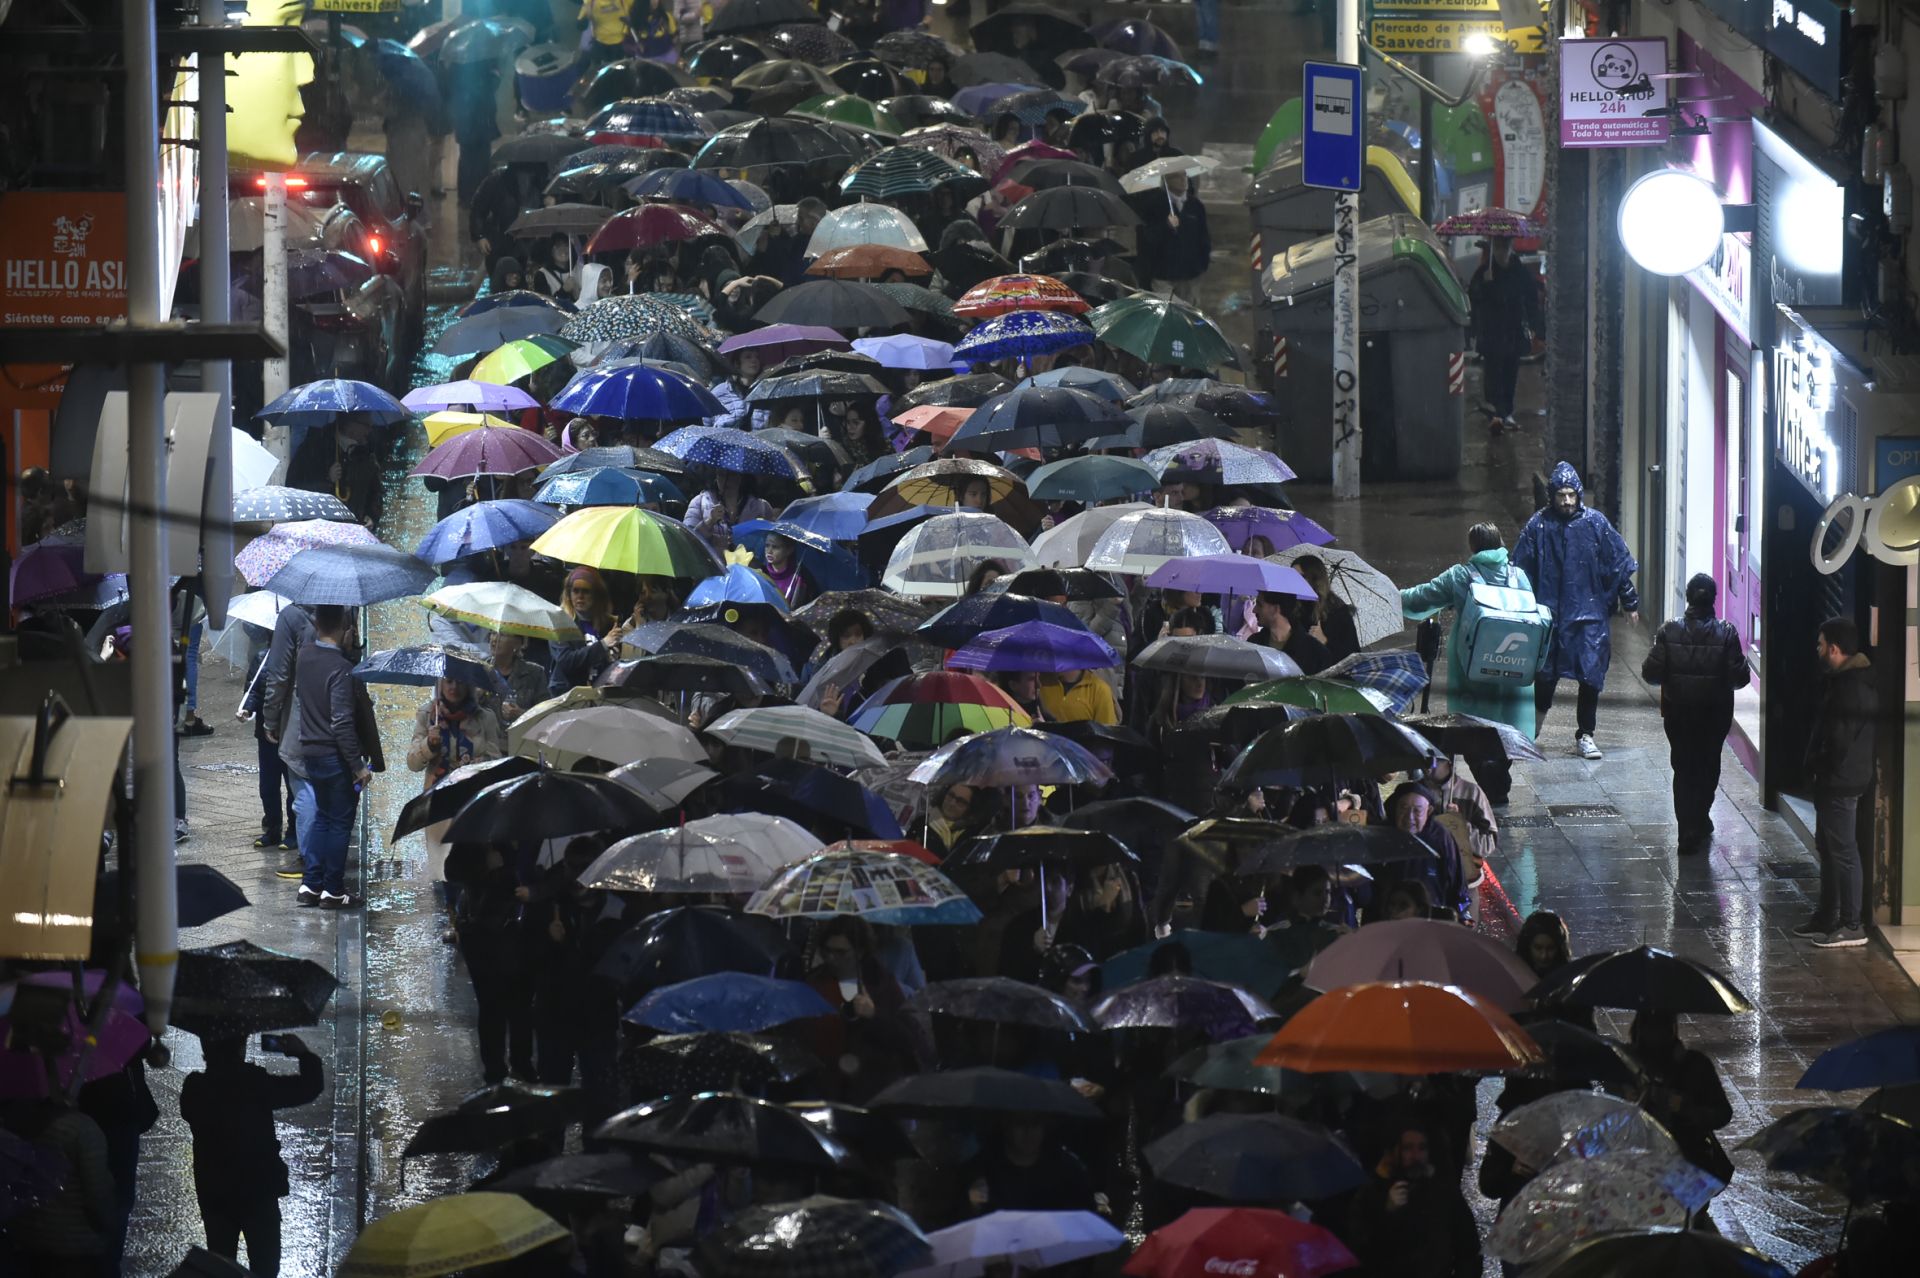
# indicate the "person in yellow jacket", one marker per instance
pixel 609 21
pixel 1077 695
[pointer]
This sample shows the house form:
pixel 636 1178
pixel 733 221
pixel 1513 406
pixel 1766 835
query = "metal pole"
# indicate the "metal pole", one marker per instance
pixel 156 914
pixel 1346 296
pixel 216 307
pixel 273 298
pixel 1429 158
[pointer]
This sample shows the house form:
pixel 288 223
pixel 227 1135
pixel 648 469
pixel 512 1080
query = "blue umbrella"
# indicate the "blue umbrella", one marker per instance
pixel 354 576
pixel 317 403
pixel 1073 377
pixel 876 472
pixel 607 486
pixel 739 584
pixel 1888 1058
pixel 1091 479
pixel 1036 645
pixel 727 1001
pixel 1397 673
pixel 768 665
pixel 478 334
pixel 836 516
pixel 1024 334
pixel 426 664
pixel 485 525
pixel 960 623
pixel 724 448
pixel 513 297
pixel 687 186
pixel 975 99
pixel 637 392
pixel 1037 417
pixel 831 567
pixel 647 118
pixel 411 79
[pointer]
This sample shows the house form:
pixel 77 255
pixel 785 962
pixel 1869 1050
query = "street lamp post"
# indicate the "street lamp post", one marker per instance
pixel 1346 295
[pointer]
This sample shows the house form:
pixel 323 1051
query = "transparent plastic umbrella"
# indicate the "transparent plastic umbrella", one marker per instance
pixel 1143 541
pixel 858 224
pixel 1572 1201
pixel 938 556
pixel 1068 543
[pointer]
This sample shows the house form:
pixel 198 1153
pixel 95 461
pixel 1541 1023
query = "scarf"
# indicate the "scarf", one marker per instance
pixel 454 740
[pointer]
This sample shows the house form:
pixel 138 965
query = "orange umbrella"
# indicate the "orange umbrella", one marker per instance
pixel 938 421
pixel 1004 293
pixel 1400 1027
pixel 869 261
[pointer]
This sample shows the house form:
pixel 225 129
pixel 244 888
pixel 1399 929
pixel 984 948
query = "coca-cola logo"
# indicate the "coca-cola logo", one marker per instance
pixel 1245 1267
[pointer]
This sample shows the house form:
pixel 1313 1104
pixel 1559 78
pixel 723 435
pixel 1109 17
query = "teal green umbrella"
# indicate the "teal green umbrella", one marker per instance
pixel 856 111
pixel 1163 330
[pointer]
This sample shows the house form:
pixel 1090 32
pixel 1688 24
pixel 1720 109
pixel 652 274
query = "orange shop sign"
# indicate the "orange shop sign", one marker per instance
pixel 63 258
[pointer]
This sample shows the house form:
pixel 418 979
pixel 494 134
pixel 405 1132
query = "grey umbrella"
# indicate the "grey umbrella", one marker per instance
pixel 351 575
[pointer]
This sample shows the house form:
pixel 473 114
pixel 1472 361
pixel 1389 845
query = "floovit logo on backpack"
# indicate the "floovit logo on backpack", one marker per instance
pixel 1503 632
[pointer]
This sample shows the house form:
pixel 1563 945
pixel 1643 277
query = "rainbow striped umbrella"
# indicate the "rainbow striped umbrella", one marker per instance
pixel 1004 293
pixel 921 711
pixel 628 539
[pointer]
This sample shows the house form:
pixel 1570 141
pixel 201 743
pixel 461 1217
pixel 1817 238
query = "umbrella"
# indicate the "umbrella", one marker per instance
pixel 488 450
pixel 1033 106
pixel 1229 1066
pixel 1241 959
pixel 1153 173
pixel 1580 1056
pixel 647 226
pixel 607 486
pixel 1332 844
pixel 811 41
pixel 1235 1240
pixel 939 556
pixel 496 1116
pixel 687 186
pixel 1397 675
pixel 1012 756
pixel 1213 656
pixel 1037 845
pixel 940 483
pixel 1024 1240
pixel 737 584
pixel 630 315
pixel 483 526
pixel 351 575
pixel 681 1064
pixel 903 350
pixel 1430 950
pixel 1142 540
pixel 1328 749
pixel 1570 1202
pixel 858 224
pixel 424 665
pixel 776 342
pixel 636 392
pixel 1023 335
pixel 478 397
pixel 503 607
pixel 444 801
pixel 767 665
pixel 936 422
pixel 1217 461
pixel 1374 597
pixel 674 945
pixel 119 1035
pixel 663 783
pixel 752 15
pixel 613 733
pixel 999 1000
pixel 1161 330
pixel 1068 543
pixel 1074 584
pixel 828 740
pixel 1493 223
pixel 52 570
pixel 1865 1156
pixel 984 1090
pixel 1643 979
pixel 586 1179
pixel 923 710
pixel 881 887
pixel 968 391
pixel 1157 425
pixel 1886 1058
pixel 645 122
pixel 495 328
pixel 817 1237
pixel 1036 416
pixel 907 170
pixel 821 797
pixel 522 357
pixel 1575 1126
pixel 1135 35
pixel 565 218
pixel 1036 645
pixel 240 988
pixel 262 557
pixel 1091 479
pixel 201 893
pixel 1400 1027
pixel 839 304
pixel 1312 692
pixel 1255 1158
pixel 448 1235
pixel 1666 1253
pixel 1068 208
pixel 853 111
pixel 724 1128
pixel 627 539
pixel 725 854
pixel 738 1001
pixel 1229 575
pixel 546 804
pixel 1218 1010
pixel 870 261
pixel 317 403
pixel 1473 737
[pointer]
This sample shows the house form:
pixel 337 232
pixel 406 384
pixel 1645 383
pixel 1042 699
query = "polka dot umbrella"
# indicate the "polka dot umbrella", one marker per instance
pixel 632 315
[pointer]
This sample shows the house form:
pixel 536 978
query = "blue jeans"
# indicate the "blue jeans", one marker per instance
pixel 1206 16
pixel 323 814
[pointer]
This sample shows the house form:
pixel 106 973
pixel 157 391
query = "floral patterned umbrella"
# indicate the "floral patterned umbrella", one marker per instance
pixel 881 887
pixel 1005 293
pixel 1575 1200
pixel 1501 224
pixel 1022 335
pixel 951 139
pixel 631 315
pixel 268 554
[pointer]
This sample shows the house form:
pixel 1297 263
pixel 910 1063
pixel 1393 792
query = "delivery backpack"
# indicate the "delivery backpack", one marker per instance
pixel 1503 633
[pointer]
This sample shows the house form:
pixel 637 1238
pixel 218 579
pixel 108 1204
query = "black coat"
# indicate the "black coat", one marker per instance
pixel 236 1155
pixel 1506 308
pixel 1175 253
pixel 1697 664
pixel 1840 750
pixel 1433 1236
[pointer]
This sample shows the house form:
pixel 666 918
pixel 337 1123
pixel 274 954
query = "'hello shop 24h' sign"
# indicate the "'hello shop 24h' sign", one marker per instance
pixel 1607 89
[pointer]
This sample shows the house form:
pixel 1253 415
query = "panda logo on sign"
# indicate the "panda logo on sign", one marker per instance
pixel 1616 68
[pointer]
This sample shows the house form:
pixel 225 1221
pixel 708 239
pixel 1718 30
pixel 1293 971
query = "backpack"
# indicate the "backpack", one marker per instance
pixel 1503 633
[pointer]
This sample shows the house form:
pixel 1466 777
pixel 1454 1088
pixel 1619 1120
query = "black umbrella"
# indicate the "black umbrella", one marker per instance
pixel 679 944
pixel 875 1136
pixel 201 893
pixel 1577 1054
pixel 1097 289
pixel 765 664
pixel 921 109
pixel 1000 1000
pixel 1041 845
pixel 548 805
pixel 1256 1158
pixel 724 58
pixel 1663 1253
pixel 1241 405
pixel 1037 417
pixel 241 988
pixel 1237 725
pixel 1044 173
pixel 984 1090
pixel 1093 130
pixel 538 148
pixel 1065 208
pixel 1143 824
pixel 817 1237
pixel 869 78
pixel 991 68
pixel 680 672
pixel 1076 584
pixel 561 219
pixel 752 15
pixel 496 1116
pixel 965 263
pixel 816 383
pixel 1335 843
pixel 726 1128
pixel 1218 1010
pixel 838 304
pixel 784 72
pixel 1052 28
pixel 582 1179
pixel 815 797
pixel 967 391
pixel 1641 980
pixel 1473 737
pixel 682 1064
pixel 1158 425
pixel 1902 1103
pixel 1330 749
pixel 826 361
pixel 628 78
pixel 768 144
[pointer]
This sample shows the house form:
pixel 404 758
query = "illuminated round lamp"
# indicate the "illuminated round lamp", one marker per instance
pixel 1671 222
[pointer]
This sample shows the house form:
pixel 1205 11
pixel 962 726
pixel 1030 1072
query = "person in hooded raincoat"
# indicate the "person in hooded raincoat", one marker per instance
pixel 1510 703
pixel 1580 566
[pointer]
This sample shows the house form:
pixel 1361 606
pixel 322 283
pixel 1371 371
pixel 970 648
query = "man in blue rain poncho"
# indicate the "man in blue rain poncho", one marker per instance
pixel 1579 566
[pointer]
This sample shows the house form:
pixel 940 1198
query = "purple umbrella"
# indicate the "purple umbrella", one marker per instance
pixel 1281 528
pixel 1230 575
pixel 979 97
pixel 49 569
pixel 122 1036
pixel 473 397
pixel 1035 645
pixel 487 451
pixel 777 342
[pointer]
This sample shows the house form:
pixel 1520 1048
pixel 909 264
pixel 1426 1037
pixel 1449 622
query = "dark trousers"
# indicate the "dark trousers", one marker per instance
pixel 1836 838
pixel 504 1000
pixel 1498 375
pixel 565 1031
pixel 259 1222
pixel 276 792
pixel 1586 710
pixel 1694 749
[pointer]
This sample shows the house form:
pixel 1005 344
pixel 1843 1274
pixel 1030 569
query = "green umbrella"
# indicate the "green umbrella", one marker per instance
pixel 855 111
pixel 1229 1067
pixel 1162 330
pixel 1329 696
pixel 507 364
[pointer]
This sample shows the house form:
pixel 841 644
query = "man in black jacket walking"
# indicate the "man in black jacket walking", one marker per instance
pixel 1698 665
pixel 1840 765
pixel 323 749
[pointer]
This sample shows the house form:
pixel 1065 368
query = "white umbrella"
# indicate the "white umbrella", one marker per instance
pixel 259 608
pixel 828 740
pixel 615 733
pixel 1027 1239
pixel 1375 599
pixel 1068 543
pixel 938 556
pixel 749 233
pixel 664 783
pixel 718 854
pixel 1155 172
pixel 253 465
pixel 858 224
pixel 1141 542
pixel 503 607
pixel 1216 657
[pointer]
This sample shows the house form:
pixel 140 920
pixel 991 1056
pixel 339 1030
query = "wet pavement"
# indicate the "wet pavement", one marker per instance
pixel 1590 840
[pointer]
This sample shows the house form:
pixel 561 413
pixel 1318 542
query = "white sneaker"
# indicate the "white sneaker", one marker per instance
pixel 1583 745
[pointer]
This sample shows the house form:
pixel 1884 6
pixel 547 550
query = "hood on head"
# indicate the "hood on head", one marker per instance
pixel 1565 476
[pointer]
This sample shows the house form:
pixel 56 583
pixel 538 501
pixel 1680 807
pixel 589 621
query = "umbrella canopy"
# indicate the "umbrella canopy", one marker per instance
pixel 612 733
pixel 548 805
pixel 635 392
pixel 941 483
pixel 907 170
pixel 1578 1126
pixel 984 1090
pixel 1012 756
pixel 823 798
pixel 1005 293
pixel 1000 1000
pixel 566 218
pixel 1476 738
pixel 858 224
pixel 1868 1157
pixel 275 504
pixel 488 450
pixel 444 801
pixel 1036 645
pixel 470 395
pixel 1216 461
pixel 1025 1240
pixel 502 607
pixel 259 559
pixel 447 1235
pixel 1037 416
pixel 723 1128
pixel 1231 958
pixel 1886 1058
pixel 1068 543
pixel 904 350
pixel 1215 657
pixel 1091 479
pixel 923 710
pixel 828 740
pixel 1256 1158
pixel 939 556
pixel 869 261
pixel 1426 949
pixel 1214 1240
pixel 674 945
pixel 1662 1253
pixel 682 1064
pixel 607 486
pixel 735 1001
pixel 881 887
pixel 729 449
pixel 1153 173
pixel 1329 748
pixel 650 225
pixel 111 1036
pixel 1068 208
pixel 819 1237
pixel 583 1179
pixel 354 576
pixel 845 305
pixel 1312 692
pixel 1230 1067
pixel 241 988
pixel 520 358
pixel 1229 575
pixel 726 854
pixel 1037 845
pixel 483 526
pixel 317 403
pixel 1400 1027
pixel 1569 1202
pixel 423 665
pixel 631 315
pixel 1143 540
pixel 1218 1010
pixel 485 1120
pixel 444 425
pixel 1024 334
pixel 1374 597
pixel 767 665
pixel 627 539
pixel 1643 979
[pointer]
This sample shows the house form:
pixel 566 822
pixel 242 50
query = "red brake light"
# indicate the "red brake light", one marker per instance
pixel 373 243
pixel 293 183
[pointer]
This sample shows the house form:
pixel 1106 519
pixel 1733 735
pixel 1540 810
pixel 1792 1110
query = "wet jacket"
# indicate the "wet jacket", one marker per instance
pixel 1840 750
pixel 1506 309
pixel 1433 1236
pixel 1175 253
pixel 1697 664
pixel 324 703
pixel 236 1156
pixel 1579 568
pixel 1511 704
pixel 273 690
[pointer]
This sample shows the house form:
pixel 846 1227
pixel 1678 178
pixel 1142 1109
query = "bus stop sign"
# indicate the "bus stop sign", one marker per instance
pixel 1334 144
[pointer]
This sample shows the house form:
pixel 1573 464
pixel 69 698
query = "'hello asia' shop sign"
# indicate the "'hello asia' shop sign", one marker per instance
pixel 1608 88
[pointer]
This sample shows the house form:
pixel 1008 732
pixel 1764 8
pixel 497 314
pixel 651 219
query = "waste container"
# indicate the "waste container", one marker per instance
pixel 1285 211
pixel 545 75
pixel 1413 329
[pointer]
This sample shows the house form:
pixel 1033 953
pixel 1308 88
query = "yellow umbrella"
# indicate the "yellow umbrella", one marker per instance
pixel 445 1235
pixel 941 483
pixel 444 426
pixel 628 539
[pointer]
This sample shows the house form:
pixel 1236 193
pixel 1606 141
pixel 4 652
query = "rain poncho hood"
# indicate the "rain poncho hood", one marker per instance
pixel 1565 476
pixel 1580 567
